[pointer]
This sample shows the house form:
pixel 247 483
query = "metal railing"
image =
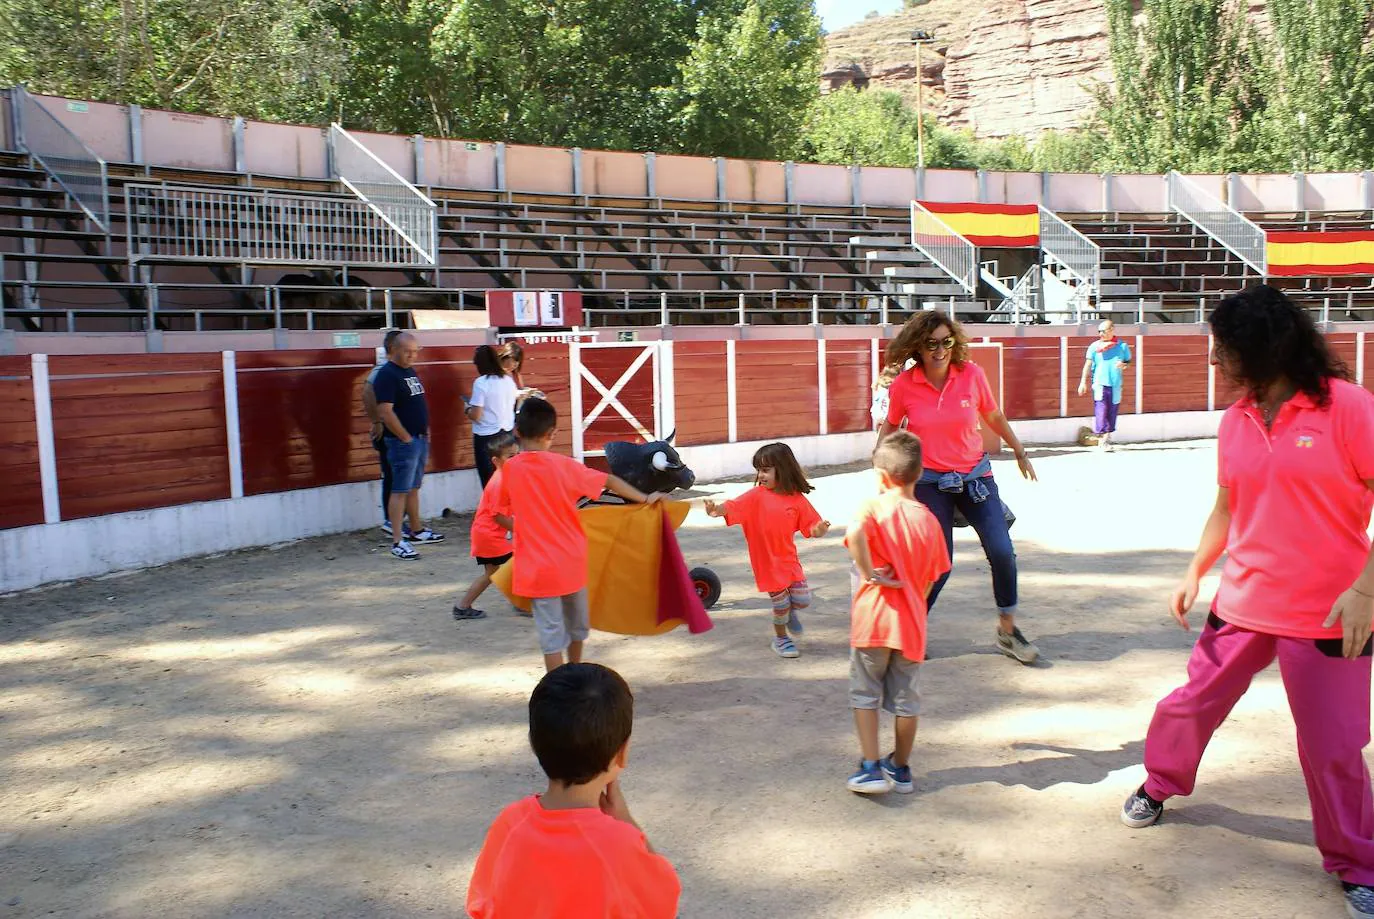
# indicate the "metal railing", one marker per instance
pixel 1078 254
pixel 404 207
pixel 1242 236
pixel 943 246
pixel 76 168
pixel 260 226
pixel 105 306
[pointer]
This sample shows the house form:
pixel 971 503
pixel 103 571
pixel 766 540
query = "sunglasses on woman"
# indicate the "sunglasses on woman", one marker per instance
pixel 940 344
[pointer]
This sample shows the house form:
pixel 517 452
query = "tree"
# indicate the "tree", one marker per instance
pixel 870 128
pixel 1191 88
pixel 269 59
pixel 750 78
pixel 1324 114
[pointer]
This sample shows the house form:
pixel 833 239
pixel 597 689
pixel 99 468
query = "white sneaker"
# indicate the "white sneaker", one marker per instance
pixel 403 550
pixel 785 647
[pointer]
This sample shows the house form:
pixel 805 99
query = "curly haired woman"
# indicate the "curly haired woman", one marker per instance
pixel 1295 476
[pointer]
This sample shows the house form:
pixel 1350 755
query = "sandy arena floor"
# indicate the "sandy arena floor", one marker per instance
pixel 305 732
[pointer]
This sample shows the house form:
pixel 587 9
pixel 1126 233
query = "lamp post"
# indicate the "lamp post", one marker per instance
pixel 919 38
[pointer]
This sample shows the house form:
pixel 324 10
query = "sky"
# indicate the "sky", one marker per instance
pixel 836 14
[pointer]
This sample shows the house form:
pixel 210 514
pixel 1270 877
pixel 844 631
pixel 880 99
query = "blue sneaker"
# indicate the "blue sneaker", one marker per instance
pixel 794 623
pixel 1359 900
pixel 899 776
pixel 869 780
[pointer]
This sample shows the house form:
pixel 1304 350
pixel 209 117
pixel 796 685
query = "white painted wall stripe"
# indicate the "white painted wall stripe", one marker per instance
pixel 575 396
pixel 731 397
pixel 1140 374
pixel 47 444
pixel 822 386
pixel 234 445
pixel 1211 378
pixel 1063 377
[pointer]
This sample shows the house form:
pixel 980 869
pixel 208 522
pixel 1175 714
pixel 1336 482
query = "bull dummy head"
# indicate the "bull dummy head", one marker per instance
pixel 650 467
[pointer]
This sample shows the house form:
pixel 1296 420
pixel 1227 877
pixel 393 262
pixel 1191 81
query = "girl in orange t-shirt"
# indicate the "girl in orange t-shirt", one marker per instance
pixel 772 513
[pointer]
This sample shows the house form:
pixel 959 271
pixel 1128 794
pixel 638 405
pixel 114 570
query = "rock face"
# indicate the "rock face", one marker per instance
pixel 1027 65
pixel 1012 67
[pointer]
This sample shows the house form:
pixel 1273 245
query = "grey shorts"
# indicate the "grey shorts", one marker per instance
pixel 881 677
pixel 560 620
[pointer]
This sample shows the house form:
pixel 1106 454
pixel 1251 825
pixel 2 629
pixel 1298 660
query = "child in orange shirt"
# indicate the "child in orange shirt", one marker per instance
pixel 771 514
pixel 574 852
pixel 541 490
pixel 899 549
pixel 491 531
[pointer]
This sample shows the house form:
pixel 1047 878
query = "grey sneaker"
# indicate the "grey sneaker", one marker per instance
pixel 785 647
pixel 1359 900
pixel 1141 810
pixel 1015 645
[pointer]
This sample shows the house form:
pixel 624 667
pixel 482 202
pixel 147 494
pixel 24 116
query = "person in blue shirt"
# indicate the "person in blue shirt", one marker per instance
pixel 404 415
pixel 1106 357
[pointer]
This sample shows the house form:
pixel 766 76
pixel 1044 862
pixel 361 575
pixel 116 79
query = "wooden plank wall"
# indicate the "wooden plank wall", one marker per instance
pixel 702 402
pixel 142 431
pixel 21 498
pixel 849 386
pixel 138 431
pixel 1175 377
pixel 777 388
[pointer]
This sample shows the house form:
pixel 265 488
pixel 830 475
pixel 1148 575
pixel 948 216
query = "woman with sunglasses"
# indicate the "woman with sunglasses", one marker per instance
pixel 942 399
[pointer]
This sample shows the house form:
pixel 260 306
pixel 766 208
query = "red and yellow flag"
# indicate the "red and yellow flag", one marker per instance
pixel 1313 253
pixel 994 226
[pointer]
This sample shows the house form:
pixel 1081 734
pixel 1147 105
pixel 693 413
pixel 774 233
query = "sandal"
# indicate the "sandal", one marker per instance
pixel 460 614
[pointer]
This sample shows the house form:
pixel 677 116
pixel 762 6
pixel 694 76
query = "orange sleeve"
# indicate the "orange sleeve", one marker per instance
pixel 649 885
pixel 738 510
pixel 501 499
pixel 807 516
pixel 480 893
pixel 582 481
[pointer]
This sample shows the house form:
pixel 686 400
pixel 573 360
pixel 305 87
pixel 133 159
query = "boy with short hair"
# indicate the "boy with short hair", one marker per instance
pixel 541 490
pixel 491 532
pixel 574 852
pixel 899 549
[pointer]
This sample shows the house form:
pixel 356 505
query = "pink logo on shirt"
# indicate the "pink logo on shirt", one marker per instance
pixel 1305 441
pixel 965 403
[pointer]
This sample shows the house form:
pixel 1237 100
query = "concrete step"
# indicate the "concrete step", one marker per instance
pixel 880 242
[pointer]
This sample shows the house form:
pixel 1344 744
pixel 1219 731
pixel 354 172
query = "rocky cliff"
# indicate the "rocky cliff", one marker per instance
pixel 1006 67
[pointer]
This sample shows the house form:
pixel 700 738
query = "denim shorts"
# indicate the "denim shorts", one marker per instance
pixel 407 461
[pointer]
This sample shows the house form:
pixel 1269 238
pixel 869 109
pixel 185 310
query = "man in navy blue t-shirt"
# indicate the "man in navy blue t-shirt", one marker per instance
pixel 402 409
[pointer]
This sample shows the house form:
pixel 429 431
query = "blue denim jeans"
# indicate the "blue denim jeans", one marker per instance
pixel 407 462
pixel 987 520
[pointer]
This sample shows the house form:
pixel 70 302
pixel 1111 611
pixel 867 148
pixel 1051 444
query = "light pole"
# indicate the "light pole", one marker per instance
pixel 919 38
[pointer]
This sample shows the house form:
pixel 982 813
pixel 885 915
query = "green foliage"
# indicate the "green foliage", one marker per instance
pixel 751 76
pixel 871 128
pixel 271 59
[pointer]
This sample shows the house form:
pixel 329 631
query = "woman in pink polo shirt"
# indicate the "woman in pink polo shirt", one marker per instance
pixel 942 398
pixel 1295 470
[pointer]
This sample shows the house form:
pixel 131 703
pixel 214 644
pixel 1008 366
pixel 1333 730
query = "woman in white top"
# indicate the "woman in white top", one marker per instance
pixel 491 408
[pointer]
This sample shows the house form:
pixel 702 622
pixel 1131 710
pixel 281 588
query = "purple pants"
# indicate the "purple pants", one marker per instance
pixel 1329 698
pixel 1104 413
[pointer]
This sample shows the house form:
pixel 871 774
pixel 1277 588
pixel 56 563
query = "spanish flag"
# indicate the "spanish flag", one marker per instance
pixel 1311 253
pixel 993 226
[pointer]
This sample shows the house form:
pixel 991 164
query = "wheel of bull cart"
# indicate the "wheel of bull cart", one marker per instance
pixel 707 586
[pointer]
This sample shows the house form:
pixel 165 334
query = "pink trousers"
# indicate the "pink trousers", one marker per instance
pixel 1329 698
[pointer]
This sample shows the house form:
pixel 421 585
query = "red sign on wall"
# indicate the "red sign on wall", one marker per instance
pixel 534 309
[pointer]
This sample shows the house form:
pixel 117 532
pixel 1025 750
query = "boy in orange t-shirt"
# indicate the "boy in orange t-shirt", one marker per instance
pixel 899 549
pixel 541 490
pixel 574 852
pixel 491 532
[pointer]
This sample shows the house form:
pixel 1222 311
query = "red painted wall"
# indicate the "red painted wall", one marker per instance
pixel 777 389
pixel 1176 373
pixel 138 431
pixel 1030 388
pixel 702 403
pixel 849 386
pixel 21 498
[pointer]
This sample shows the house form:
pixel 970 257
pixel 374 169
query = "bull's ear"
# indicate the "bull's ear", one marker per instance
pixel 671 434
pixel 659 461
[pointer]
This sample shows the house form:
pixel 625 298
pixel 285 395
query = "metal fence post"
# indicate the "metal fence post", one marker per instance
pixel 663 309
pixel 743 319
pixel 276 305
pixel 815 309
pixel 386 299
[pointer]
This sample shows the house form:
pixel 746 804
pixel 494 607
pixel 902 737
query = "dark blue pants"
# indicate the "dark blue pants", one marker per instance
pixel 987 520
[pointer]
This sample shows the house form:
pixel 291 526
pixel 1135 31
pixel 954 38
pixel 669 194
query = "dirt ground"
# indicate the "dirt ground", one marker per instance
pixel 306 732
